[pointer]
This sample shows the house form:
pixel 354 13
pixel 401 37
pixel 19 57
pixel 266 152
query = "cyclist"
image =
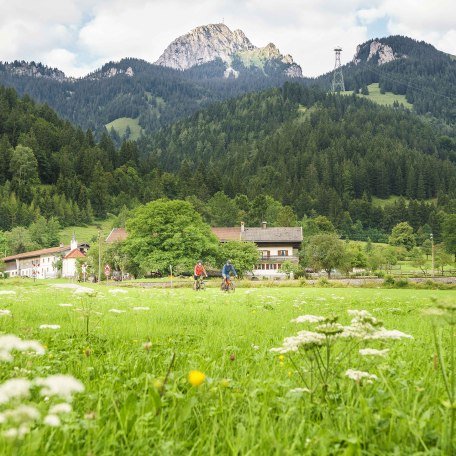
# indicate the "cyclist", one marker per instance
pixel 199 272
pixel 227 270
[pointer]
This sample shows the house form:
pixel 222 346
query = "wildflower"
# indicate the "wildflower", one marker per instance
pixel 255 347
pixel 147 345
pixel 359 375
pixel 373 352
pixel 9 343
pixel 330 329
pixel 16 433
pixel 141 308
pixel 66 305
pixel 225 382
pixel 60 408
pixel 158 383
pixel 14 388
pixel 383 333
pixel 22 414
pixel 4 312
pixel 308 319
pixel 117 290
pixel 90 415
pixel 49 326
pixel 7 292
pixel 116 311
pixel 232 357
pixel 60 385
pixel 196 378
pixel 52 420
pixel 281 358
pixel 87 351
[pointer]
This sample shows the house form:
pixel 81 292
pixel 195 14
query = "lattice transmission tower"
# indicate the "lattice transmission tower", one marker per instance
pixel 338 78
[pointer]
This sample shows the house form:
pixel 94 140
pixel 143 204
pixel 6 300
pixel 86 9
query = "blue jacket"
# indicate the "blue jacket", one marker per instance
pixel 227 268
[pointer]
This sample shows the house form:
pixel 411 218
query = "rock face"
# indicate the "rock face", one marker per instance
pixel 377 52
pixel 210 42
pixel 34 70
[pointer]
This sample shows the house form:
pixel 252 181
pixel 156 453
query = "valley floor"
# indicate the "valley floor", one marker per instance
pixel 133 349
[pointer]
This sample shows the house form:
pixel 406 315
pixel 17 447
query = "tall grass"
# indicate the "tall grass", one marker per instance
pixel 135 366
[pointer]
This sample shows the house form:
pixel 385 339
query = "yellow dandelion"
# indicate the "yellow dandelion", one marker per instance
pixel 196 378
pixel 281 358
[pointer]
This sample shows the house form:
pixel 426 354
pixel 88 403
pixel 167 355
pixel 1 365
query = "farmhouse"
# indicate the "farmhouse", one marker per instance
pixel 43 264
pixel 275 244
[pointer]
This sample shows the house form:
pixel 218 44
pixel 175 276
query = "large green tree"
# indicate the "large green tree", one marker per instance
pixel 402 235
pixel 24 171
pixel 169 233
pixel 325 251
pixel 449 233
pixel 243 255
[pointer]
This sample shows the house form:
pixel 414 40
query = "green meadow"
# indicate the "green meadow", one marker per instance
pixel 134 348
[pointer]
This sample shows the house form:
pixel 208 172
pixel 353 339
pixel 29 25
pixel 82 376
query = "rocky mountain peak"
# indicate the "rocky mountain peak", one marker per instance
pixel 34 70
pixel 217 41
pixel 375 51
pixel 204 44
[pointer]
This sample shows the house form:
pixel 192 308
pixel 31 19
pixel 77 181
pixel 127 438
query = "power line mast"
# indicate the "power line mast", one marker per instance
pixel 338 78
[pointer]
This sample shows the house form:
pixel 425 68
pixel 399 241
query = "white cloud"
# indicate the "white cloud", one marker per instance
pixel 80 35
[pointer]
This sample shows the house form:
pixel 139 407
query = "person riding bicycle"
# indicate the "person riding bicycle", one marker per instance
pixel 199 272
pixel 227 270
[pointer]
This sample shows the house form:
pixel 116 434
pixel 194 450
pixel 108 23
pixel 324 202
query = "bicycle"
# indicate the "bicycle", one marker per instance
pixel 228 285
pixel 199 284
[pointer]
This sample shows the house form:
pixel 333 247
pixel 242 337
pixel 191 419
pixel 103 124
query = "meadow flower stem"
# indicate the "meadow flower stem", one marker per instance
pixel 298 370
pixel 171 364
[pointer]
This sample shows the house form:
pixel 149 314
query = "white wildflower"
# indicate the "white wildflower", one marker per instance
pixel 360 375
pixel 116 311
pixel 49 326
pixel 60 385
pixel 16 433
pixel 23 413
pixel 255 347
pixel 7 292
pixel 66 305
pixel 5 312
pixel 117 290
pixel 383 333
pixel 9 342
pixel 308 319
pixel 14 388
pixel 52 420
pixel 305 339
pixel 60 408
pixel 373 352
pixel 84 290
pixel 141 308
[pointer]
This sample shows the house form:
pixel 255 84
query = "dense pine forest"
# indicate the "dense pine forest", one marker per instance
pixel 283 155
pixel 426 76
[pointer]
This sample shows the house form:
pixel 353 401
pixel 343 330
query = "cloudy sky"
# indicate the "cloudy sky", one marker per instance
pixel 78 36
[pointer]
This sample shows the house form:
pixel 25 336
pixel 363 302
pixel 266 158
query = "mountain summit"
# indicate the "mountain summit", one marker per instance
pixel 207 43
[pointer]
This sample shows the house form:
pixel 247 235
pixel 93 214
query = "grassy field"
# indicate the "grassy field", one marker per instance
pixel 386 98
pixel 87 233
pixel 121 124
pixel 134 349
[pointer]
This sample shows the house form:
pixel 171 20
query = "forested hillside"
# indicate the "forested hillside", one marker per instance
pixel 315 152
pixel 152 95
pixel 281 155
pixel 426 76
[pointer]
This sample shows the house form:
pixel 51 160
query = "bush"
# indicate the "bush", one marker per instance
pixel 389 281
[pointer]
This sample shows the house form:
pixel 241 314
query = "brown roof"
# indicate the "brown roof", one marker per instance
pixel 36 253
pixel 227 233
pixel 273 234
pixel 117 234
pixel 75 253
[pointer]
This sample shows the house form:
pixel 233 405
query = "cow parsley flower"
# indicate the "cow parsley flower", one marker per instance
pixel 14 388
pixel 308 319
pixel 141 308
pixel 5 312
pixel 382 334
pixel 9 343
pixel 304 339
pixel 373 352
pixel 357 375
pixel 60 385
pixel 49 326
pixel 66 305
pixel 116 311
pixel 52 420
pixel 60 408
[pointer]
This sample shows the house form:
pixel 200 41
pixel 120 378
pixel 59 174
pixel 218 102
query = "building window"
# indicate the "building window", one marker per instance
pixel 265 253
pixel 283 252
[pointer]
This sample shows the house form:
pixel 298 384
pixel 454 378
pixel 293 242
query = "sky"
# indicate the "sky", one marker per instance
pixel 79 36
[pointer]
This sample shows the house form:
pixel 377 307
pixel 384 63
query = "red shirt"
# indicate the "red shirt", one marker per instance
pixel 199 270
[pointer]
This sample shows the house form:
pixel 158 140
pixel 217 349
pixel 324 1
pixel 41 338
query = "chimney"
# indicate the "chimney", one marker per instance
pixel 73 244
pixel 264 225
pixel 242 227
